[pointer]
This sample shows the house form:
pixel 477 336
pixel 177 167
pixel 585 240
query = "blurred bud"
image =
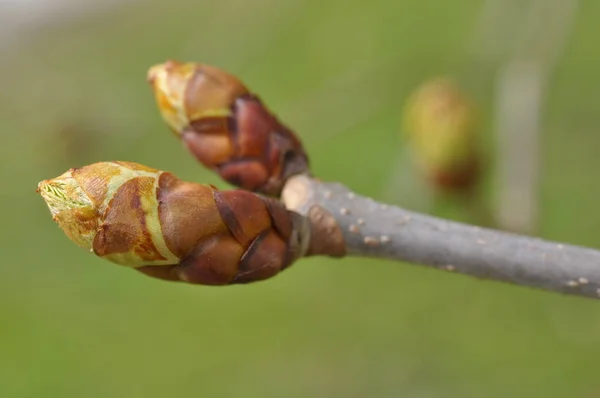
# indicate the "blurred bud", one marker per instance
pixel 150 220
pixel 439 124
pixel 225 127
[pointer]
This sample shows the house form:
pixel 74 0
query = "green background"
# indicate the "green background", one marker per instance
pixel 338 72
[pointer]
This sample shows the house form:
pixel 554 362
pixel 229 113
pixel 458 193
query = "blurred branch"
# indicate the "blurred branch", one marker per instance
pixel 20 19
pixel 522 41
pixel 373 229
pixel 521 87
pixel 519 93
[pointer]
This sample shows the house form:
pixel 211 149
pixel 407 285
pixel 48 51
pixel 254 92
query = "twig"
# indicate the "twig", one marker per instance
pixel 373 229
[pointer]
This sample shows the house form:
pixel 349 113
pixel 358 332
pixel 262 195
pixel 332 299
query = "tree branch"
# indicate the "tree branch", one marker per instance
pixel 373 229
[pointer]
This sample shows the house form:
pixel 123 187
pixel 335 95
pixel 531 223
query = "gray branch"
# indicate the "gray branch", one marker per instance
pixel 378 230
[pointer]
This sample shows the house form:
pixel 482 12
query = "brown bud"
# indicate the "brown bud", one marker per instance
pixel 167 228
pixel 227 128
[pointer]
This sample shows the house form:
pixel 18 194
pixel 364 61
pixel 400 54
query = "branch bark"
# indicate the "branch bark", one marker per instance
pixel 374 229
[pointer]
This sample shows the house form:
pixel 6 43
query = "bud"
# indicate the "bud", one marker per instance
pixel 226 128
pixel 150 220
pixel 439 124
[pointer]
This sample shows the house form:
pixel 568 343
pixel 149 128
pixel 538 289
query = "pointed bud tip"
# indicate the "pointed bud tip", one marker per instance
pixel 62 193
pixel 169 82
pixel 155 70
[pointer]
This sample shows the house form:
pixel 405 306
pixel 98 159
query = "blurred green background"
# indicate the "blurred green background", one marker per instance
pixel 338 72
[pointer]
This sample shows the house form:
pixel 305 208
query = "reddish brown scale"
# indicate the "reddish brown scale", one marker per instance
pixel 280 218
pixel 263 136
pixel 210 132
pixel 188 213
pixel 251 149
pixel 249 174
pixel 264 258
pixel 214 261
pixel 244 213
pixel 166 272
pixel 255 127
